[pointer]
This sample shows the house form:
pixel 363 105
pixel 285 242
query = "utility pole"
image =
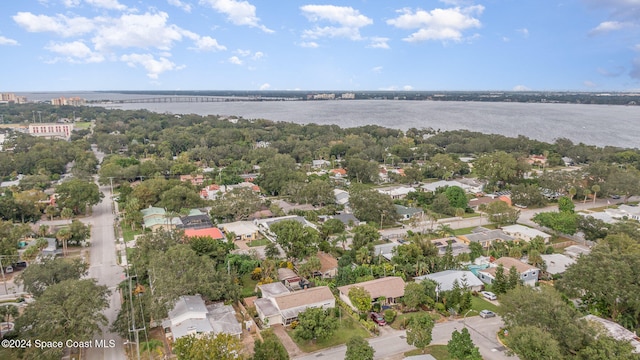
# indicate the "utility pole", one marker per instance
pixel 133 320
pixel 40 116
pixel 34 115
pixel 4 279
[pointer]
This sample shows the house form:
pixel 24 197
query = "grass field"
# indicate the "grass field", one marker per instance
pixel 467 230
pixel 261 242
pixel 478 304
pixel 82 125
pixel 248 286
pixel 439 352
pixel 347 328
pixel 128 234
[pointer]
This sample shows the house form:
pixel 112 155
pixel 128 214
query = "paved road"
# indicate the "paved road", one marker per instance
pixel 104 268
pixel 393 342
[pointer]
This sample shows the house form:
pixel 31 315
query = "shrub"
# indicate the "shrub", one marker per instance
pixel 441 309
pixel 389 316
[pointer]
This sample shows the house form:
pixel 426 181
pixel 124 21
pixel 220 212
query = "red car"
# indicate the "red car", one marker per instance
pixel 378 319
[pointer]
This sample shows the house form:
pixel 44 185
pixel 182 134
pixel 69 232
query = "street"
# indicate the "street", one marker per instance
pixel 104 268
pixel 393 343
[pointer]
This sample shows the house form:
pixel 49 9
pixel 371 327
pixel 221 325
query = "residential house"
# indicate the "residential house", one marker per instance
pixel 617 331
pixel 528 274
pixel 214 191
pixel 155 218
pixel 446 279
pixel 470 186
pixel 196 180
pixel 244 230
pixel 196 220
pixel 407 213
pixel 525 233
pixel 190 316
pixel 273 289
pixel 284 308
pixel 265 224
pixel 328 265
pixel 457 246
pixel 288 207
pixel 557 263
pixel 212 232
pixel 319 164
pixel 385 250
pixel 630 212
pixel 338 173
pixel 485 237
pixel 342 197
pixel 575 251
pixel 396 192
pixel 391 288
pixel 348 219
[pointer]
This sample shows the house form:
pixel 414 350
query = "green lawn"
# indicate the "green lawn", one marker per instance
pixel 402 319
pixel 467 230
pixel 261 242
pixel 347 328
pixel 478 304
pixel 248 286
pixel 82 125
pixel 439 352
pixel 128 234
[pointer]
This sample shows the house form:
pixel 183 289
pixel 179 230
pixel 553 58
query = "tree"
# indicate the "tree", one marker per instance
pixel 457 197
pixel 360 298
pixel 310 266
pixel 66 213
pixel 220 346
pixel 562 222
pixel 271 251
pixel 78 194
pixel 63 235
pixel 270 348
pixel 297 241
pixel 237 204
pixel 358 349
pixel 419 331
pixel 332 227
pixel 363 236
pixel 74 311
pixel 527 195
pixel 501 213
pixel 179 197
pixel 37 277
pixel 461 346
pixel 532 343
pixel 276 172
pixel 565 204
pixel 605 348
pixel 596 190
pixel 545 310
pixel 499 284
pixel 315 323
pixel 371 206
pixel 79 232
pixel 513 279
pixel 414 295
pixel 362 171
pixel 498 167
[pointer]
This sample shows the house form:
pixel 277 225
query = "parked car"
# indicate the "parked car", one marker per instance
pixel 489 295
pixel 8 269
pixel 378 319
pixel 615 197
pixel 20 265
pixel 487 314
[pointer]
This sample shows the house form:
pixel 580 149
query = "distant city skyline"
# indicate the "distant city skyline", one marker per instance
pixel 469 45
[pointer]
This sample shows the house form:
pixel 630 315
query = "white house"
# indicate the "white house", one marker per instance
pixel 190 316
pixel 396 192
pixel 528 274
pixel 470 186
pixel 283 308
pixel 390 287
pixel 525 233
pixel 446 279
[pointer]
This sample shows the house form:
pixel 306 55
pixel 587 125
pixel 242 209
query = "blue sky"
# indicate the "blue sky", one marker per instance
pixel 573 45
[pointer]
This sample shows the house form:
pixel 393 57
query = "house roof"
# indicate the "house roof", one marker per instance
pixel 513 230
pixel 403 210
pixel 383 249
pixel 271 221
pixel 485 236
pixel 557 263
pixel 273 289
pixel 267 306
pixel 446 279
pixel 338 171
pixel 162 221
pixel 390 287
pixel 152 211
pixel 196 221
pixel 223 319
pixel 327 262
pixel 212 232
pixel 286 273
pixel 575 251
pixel 508 262
pixel 617 331
pixel 346 218
pixel 240 227
pixel 304 297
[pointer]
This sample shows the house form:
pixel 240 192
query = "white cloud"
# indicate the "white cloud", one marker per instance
pixel 377 69
pixel 524 32
pixel 521 88
pixel 407 88
pixel 505 39
pixel 75 52
pixel 7 41
pixel 152 66
pixel 379 43
pixel 257 55
pixel 107 4
pixel 184 6
pixel 238 12
pixel 207 43
pixel 389 88
pixel 589 84
pixel 243 53
pixel 349 20
pixel 59 24
pixel 235 60
pixel 265 86
pixel 438 24
pixel 636 47
pixel 141 31
pixel 309 44
pixel 71 3
pixel 608 26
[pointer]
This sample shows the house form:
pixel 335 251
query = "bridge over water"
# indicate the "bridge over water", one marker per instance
pixel 200 99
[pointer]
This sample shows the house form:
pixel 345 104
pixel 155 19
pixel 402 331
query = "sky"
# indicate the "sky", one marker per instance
pixel 495 45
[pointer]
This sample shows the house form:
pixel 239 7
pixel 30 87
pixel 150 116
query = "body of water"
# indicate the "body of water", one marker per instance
pixel 602 125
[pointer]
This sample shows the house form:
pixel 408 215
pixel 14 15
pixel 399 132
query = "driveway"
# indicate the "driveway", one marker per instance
pixel 286 340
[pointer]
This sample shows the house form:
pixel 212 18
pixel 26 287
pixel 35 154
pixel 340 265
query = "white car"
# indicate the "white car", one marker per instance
pixel 489 295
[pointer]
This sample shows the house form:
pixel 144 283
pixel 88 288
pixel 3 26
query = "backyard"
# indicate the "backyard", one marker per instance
pixel 348 327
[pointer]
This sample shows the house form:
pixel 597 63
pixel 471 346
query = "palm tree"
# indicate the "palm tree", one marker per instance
pixel 587 192
pixel 573 191
pixel 66 213
pixel 444 230
pixel 363 256
pixel 63 235
pixel 595 189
